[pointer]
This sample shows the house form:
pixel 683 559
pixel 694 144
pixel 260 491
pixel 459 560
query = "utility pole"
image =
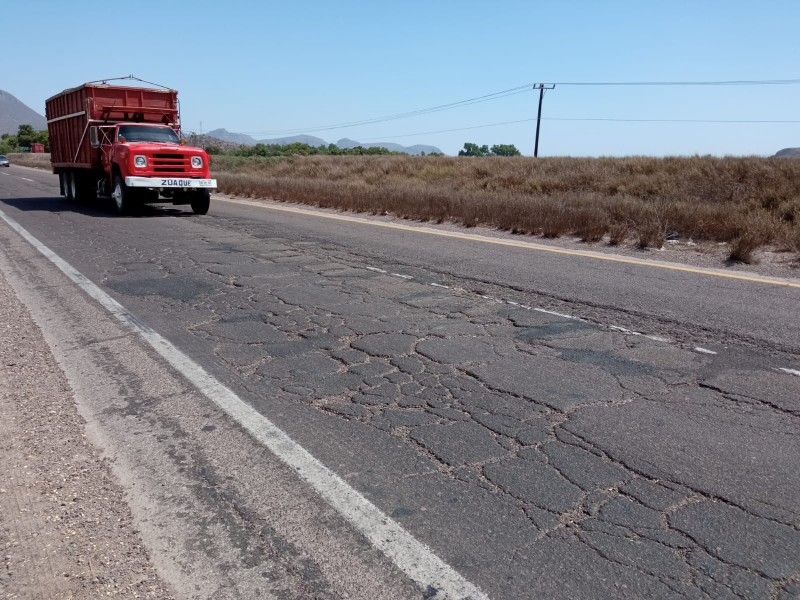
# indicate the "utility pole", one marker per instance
pixel 541 87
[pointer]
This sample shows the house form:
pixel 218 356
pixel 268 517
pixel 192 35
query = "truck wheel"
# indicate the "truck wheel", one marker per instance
pixel 69 186
pixel 122 197
pixel 201 200
pixel 84 187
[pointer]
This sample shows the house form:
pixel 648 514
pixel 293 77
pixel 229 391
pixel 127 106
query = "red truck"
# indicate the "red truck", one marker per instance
pixel 125 142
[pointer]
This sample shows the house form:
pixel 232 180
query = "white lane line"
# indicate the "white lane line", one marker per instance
pixel 795 283
pixel 413 557
pixel 557 314
pixel 703 350
pixel 447 287
pixel 657 338
pixel 789 371
pixel 26 179
pixel 624 330
pixel 401 276
pixel 376 269
pixel 6 173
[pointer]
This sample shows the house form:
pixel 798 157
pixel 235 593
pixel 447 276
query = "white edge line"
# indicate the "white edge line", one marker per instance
pixel 703 350
pixel 413 557
pixel 794 372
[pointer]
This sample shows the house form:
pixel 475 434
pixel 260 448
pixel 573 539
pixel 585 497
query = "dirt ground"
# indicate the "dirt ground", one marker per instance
pixel 66 532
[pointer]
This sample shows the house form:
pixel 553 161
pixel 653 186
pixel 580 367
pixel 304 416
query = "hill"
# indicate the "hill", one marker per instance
pixel 14 113
pixel 788 152
pixel 246 140
pixel 416 149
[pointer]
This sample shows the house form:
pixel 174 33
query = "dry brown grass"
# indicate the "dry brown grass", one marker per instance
pixel 747 201
pixel 27 159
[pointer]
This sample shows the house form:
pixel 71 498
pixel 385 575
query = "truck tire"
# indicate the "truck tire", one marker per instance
pixel 74 187
pixel 69 186
pixel 85 190
pixel 201 200
pixel 122 197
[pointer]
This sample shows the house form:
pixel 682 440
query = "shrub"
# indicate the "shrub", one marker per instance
pixel 700 197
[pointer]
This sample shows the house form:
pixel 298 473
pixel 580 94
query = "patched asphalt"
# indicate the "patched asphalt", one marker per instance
pixel 538 455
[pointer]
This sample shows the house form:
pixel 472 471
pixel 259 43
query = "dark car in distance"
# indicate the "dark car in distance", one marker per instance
pixel 4 161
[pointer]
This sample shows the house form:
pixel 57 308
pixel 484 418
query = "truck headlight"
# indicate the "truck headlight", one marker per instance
pixel 197 162
pixel 140 161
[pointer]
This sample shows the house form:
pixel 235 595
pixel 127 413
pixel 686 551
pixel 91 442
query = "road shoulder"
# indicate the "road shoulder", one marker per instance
pixel 67 531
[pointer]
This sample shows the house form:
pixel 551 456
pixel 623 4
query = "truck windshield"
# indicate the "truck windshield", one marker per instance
pixel 138 133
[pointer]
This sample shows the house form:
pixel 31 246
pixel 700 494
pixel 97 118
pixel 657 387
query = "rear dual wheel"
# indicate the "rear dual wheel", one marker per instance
pixel 78 186
pixel 68 185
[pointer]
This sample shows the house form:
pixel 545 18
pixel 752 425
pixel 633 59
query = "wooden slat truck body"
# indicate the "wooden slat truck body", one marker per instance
pixel 125 142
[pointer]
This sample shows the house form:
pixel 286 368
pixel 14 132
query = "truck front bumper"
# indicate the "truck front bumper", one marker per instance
pixel 170 183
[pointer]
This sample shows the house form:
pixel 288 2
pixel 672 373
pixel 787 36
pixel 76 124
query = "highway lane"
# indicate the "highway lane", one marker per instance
pixel 687 306
pixel 536 454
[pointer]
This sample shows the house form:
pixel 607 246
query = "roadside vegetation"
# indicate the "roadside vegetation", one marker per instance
pixel 26 135
pixel 748 203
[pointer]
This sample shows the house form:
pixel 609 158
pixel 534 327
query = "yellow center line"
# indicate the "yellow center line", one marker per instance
pixel 517 244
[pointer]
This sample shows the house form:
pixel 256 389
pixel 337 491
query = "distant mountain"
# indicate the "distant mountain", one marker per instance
pixel 788 152
pixel 234 138
pixel 296 139
pixel 246 140
pixel 416 149
pixel 14 113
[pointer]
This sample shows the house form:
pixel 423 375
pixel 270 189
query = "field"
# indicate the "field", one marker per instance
pixel 747 203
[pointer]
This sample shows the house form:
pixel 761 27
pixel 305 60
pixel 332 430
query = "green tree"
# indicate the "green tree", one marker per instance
pixel 42 137
pixel 25 135
pixel 505 150
pixel 8 143
pixel 471 149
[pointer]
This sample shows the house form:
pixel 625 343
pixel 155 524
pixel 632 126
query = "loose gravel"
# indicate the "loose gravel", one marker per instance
pixel 66 531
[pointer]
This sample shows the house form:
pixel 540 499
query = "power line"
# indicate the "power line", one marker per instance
pixel 685 83
pixel 519 90
pixel 414 113
pixel 391 137
pixel 672 120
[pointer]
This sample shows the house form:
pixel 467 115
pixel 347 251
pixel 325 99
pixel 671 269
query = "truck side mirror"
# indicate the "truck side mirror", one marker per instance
pixel 94 140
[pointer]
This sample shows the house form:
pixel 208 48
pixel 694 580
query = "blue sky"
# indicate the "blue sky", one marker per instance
pixel 264 67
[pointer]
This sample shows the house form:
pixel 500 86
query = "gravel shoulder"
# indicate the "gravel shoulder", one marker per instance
pixel 66 530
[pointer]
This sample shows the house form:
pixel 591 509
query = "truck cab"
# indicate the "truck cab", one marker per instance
pixel 124 142
pixel 144 162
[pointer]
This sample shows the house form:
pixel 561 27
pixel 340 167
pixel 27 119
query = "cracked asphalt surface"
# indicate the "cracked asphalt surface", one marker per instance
pixel 540 456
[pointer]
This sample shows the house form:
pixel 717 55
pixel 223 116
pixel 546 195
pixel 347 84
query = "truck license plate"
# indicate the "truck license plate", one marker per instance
pixel 177 182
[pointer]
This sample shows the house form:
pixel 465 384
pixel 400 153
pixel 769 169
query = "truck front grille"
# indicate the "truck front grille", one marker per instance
pixel 171 163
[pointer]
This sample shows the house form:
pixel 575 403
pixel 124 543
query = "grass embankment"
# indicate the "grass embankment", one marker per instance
pixel 747 202
pixel 27 159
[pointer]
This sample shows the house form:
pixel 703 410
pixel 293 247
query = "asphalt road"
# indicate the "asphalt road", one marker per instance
pixel 538 455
